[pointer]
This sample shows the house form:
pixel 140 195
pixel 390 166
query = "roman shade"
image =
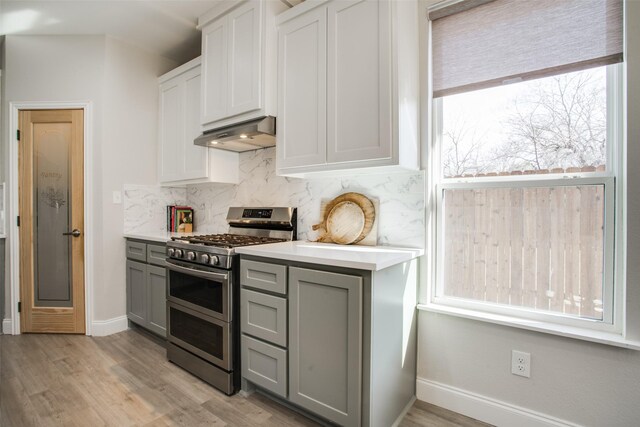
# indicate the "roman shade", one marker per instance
pixel 502 41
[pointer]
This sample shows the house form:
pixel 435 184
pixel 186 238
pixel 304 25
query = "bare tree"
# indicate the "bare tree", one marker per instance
pixel 560 123
pixel 461 151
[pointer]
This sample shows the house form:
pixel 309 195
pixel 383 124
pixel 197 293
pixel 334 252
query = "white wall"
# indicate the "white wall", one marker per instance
pixel 128 155
pixel 52 69
pixel 580 382
pixel 120 81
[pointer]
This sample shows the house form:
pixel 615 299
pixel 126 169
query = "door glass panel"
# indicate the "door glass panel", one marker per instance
pixel 198 332
pixel 201 292
pixel 51 214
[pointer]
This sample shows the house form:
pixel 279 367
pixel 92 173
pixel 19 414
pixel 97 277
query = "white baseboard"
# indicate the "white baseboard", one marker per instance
pixel 7 326
pixel 101 328
pixel 483 408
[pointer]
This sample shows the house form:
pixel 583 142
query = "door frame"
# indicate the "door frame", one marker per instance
pixel 13 234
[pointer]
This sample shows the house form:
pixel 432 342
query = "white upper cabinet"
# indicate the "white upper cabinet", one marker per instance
pixel 171 131
pixel 214 72
pixel 359 81
pixel 238 61
pixel 245 38
pixel 348 87
pixel 302 50
pixel 179 160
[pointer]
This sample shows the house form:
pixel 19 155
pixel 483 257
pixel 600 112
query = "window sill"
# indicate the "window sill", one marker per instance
pixel 605 338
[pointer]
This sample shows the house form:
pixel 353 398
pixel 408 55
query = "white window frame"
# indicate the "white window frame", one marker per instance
pixel 611 179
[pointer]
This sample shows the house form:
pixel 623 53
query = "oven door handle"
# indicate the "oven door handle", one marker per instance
pixel 198 273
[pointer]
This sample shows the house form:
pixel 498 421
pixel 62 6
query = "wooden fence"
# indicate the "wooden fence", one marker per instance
pixel 528 247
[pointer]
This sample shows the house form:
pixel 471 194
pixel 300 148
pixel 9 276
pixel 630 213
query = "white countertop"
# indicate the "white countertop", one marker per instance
pixel 159 236
pixel 373 258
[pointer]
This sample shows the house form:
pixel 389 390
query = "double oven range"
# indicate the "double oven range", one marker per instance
pixel 203 325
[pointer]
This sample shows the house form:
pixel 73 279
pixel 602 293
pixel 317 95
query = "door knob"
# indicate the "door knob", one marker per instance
pixel 74 233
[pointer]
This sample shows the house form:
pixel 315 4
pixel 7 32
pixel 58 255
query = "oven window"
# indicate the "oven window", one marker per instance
pixel 200 333
pixel 196 290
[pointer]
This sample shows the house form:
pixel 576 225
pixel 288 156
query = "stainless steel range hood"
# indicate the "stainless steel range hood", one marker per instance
pixel 246 136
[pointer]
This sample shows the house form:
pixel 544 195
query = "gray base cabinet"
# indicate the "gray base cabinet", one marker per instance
pixel 146 286
pixel 350 354
pixel 325 352
pixel 264 365
pixel 157 300
pixel 136 291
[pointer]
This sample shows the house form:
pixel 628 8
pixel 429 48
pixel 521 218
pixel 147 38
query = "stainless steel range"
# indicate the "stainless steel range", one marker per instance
pixel 203 292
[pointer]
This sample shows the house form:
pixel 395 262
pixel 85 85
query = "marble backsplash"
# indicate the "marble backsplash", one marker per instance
pixel 145 207
pixel 401 195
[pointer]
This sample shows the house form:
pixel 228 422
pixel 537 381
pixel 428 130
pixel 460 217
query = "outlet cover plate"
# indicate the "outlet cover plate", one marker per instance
pixel 117 197
pixel 521 363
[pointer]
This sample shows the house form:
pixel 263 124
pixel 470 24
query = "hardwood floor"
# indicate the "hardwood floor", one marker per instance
pixel 125 380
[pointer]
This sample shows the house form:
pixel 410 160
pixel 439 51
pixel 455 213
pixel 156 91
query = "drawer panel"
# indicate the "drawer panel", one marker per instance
pixel 264 316
pixel 262 275
pixel 264 365
pixel 156 254
pixel 137 251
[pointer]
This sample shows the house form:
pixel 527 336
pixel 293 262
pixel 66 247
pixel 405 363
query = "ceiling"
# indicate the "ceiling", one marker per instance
pixel 165 27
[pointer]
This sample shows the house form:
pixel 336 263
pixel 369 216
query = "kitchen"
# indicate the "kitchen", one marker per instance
pixel 117 85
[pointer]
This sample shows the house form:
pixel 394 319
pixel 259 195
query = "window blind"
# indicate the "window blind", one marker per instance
pixel 511 40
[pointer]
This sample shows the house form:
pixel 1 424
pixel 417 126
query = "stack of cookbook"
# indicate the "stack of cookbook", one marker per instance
pixel 180 219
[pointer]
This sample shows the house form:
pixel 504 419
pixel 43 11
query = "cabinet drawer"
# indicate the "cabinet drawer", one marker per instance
pixel 264 365
pixel 262 275
pixel 264 316
pixel 156 254
pixel 137 251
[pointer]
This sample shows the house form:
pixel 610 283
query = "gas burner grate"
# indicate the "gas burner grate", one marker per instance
pixel 228 240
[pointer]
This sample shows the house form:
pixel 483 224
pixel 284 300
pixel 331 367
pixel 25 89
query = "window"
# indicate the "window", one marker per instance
pixel 527 147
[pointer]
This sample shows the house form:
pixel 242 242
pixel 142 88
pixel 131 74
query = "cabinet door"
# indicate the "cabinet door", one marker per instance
pixel 157 300
pixel 137 292
pixel 244 85
pixel 171 131
pixel 359 81
pixel 214 71
pixel 196 159
pixel 302 83
pixel 325 344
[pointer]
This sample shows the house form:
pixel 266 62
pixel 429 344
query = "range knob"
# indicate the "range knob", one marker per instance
pixel 191 255
pixel 178 253
pixel 171 251
pixel 214 260
pixel 204 258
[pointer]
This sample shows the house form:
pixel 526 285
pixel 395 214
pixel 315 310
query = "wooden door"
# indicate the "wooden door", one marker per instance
pixel 302 81
pixel 245 59
pixel 214 71
pixel 51 204
pixel 359 81
pixel 325 344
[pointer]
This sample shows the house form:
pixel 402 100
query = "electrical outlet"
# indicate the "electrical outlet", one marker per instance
pixel 520 363
pixel 117 197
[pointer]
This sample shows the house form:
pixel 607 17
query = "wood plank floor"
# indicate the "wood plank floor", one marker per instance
pixel 125 380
